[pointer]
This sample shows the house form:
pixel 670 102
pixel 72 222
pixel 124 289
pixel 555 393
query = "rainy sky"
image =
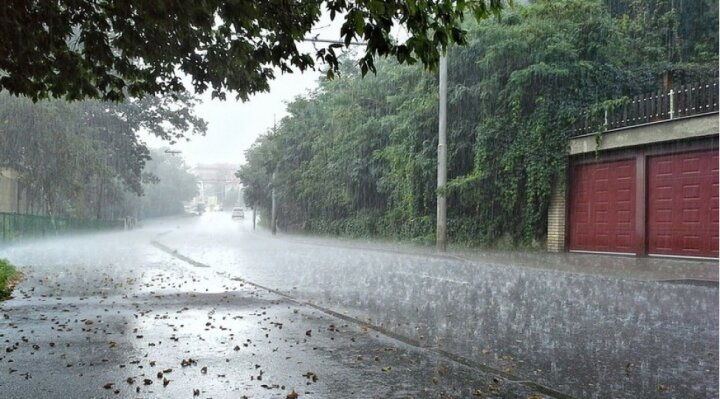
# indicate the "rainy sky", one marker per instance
pixel 233 125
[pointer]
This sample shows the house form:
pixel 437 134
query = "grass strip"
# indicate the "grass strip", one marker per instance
pixel 9 277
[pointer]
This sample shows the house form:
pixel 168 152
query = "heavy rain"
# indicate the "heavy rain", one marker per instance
pixel 365 200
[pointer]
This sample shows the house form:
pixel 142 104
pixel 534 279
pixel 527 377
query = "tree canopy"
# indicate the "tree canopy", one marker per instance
pixel 167 183
pixel 83 159
pixel 109 49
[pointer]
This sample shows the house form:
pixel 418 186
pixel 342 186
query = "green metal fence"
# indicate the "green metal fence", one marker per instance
pixel 15 226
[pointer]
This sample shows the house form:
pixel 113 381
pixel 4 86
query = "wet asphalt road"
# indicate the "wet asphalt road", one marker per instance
pixel 112 316
pixel 97 310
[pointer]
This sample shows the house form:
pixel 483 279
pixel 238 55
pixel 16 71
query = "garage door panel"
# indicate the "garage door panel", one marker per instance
pixel 624 217
pixel 692 243
pixel 691 216
pixel 624 242
pixel 663 216
pixel 691 166
pixel 664 167
pixel 603 241
pixel 602 207
pixel 683 204
pixel 600 218
pixel 623 211
pixel 582 217
pixel 662 243
pixel 624 196
pixel 691 191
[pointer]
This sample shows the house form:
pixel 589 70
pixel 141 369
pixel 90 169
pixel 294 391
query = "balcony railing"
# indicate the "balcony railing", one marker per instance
pixel 679 102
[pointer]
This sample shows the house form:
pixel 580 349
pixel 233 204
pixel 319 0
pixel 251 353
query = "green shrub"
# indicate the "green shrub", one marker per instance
pixel 8 274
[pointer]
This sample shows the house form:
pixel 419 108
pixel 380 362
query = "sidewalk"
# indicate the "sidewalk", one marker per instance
pixel 670 270
pixel 612 266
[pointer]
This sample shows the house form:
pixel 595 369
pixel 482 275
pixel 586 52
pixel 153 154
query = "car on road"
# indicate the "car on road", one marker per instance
pixel 238 213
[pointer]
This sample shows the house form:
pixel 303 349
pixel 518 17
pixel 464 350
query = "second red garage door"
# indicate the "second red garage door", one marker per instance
pixel 683 204
pixel 602 207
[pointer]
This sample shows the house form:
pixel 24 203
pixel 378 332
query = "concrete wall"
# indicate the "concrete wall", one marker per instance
pixel 658 132
pixel 556 221
pixel 8 190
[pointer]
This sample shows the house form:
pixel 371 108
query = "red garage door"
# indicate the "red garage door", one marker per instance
pixel 683 204
pixel 602 207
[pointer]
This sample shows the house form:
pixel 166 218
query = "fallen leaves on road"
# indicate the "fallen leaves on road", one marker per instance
pixel 311 376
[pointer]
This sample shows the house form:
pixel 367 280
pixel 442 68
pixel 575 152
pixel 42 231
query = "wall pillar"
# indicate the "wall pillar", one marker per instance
pixel 556 220
pixel 640 238
pixel 8 190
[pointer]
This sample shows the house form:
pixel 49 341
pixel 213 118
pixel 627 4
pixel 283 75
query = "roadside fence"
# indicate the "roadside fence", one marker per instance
pixel 14 226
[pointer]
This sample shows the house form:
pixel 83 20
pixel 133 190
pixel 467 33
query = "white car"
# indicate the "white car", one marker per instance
pixel 238 213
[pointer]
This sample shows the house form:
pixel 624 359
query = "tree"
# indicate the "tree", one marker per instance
pixel 110 49
pixel 167 183
pixel 80 159
pixel 262 160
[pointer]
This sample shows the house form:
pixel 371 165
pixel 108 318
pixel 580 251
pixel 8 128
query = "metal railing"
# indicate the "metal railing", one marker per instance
pixel 680 101
pixel 15 226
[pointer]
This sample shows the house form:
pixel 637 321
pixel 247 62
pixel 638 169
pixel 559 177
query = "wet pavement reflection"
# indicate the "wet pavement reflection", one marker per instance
pixel 110 315
pixel 582 334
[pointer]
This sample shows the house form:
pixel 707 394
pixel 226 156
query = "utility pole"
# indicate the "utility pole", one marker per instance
pixel 441 230
pixel 254 207
pixel 273 213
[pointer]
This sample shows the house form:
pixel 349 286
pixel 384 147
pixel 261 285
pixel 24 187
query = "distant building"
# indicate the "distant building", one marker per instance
pixel 217 185
pixel 217 172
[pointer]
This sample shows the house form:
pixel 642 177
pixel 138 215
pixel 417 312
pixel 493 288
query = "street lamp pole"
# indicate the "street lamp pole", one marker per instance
pixel 441 230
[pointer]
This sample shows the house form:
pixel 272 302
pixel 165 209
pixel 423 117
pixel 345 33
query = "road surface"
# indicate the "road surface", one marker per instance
pixel 264 316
